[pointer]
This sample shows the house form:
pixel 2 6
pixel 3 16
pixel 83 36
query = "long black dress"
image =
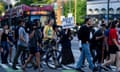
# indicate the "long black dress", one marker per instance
pixel 67 55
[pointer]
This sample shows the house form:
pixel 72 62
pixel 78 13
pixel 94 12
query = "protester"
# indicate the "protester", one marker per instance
pixel 22 43
pixel 48 30
pixel 11 43
pixel 85 37
pixel 99 46
pixel 106 38
pixel 34 45
pixel 5 44
pixel 67 55
pixel 113 43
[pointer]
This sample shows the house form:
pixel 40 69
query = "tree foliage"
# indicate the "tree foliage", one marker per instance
pixel 2 8
pixel 29 2
pixel 81 10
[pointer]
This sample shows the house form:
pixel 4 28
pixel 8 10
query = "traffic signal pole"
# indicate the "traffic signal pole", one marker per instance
pixel 108 4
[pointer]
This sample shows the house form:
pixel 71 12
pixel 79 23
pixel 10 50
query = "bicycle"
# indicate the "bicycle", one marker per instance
pixel 24 56
pixel 49 53
pixel 52 53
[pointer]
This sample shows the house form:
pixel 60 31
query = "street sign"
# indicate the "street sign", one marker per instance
pixel 55 6
pixel 69 14
pixel 68 22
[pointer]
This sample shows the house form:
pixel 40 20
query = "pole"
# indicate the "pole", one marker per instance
pixel 69 6
pixel 62 7
pixel 10 11
pixel 108 4
pixel 75 3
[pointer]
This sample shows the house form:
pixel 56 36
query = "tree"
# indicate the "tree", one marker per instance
pixel 2 8
pixel 29 2
pixel 81 10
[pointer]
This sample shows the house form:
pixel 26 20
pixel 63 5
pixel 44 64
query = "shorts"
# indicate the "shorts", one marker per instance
pixel 34 50
pixel 113 49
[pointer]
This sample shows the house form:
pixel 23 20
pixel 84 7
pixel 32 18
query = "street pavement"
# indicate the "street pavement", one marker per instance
pixel 68 68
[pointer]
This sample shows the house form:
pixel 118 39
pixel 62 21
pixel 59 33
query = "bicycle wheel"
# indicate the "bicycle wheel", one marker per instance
pixel 53 59
pixel 24 57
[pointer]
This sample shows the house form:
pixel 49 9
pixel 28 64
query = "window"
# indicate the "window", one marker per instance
pixel 111 11
pixel 103 11
pixel 90 11
pixel 96 11
pixel 118 11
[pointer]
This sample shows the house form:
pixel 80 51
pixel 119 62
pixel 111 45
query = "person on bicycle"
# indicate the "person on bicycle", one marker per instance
pixel 34 46
pixel 48 30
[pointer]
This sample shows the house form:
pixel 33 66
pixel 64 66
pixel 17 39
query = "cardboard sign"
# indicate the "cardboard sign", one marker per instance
pixel 68 22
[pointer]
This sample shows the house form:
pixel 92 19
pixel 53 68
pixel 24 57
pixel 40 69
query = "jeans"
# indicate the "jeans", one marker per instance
pixel 85 53
pixel 5 53
pixel 19 51
pixel 98 57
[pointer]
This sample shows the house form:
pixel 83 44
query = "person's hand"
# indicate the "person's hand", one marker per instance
pixel 119 47
pixel 1 49
pixel 6 31
pixel 107 49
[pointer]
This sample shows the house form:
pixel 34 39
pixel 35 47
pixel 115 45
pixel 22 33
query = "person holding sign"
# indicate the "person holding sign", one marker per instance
pixel 67 55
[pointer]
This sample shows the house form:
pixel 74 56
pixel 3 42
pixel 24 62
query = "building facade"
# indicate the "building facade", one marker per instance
pixel 98 9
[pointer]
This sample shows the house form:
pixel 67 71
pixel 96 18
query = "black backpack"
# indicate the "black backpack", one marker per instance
pixel 79 33
pixel 16 33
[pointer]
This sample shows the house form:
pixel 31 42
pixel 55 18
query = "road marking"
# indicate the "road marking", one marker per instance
pixel 9 69
pixel 69 71
pixel 4 66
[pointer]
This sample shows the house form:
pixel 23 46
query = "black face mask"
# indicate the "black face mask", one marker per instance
pixel 34 28
pixel 91 27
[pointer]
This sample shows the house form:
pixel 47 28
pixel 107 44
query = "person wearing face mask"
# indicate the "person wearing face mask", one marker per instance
pixel 22 43
pixel 85 39
pixel 98 44
pixel 34 46
pixel 67 55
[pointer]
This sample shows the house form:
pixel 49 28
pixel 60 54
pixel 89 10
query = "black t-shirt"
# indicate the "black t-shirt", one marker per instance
pixel 36 38
pixel 98 42
pixel 4 37
pixel 84 34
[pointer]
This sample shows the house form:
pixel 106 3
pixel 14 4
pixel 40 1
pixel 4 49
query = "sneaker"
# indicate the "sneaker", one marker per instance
pixel 109 67
pixel 95 69
pixel 41 70
pixel 80 70
pixel 23 69
pixel 35 67
pixel 14 68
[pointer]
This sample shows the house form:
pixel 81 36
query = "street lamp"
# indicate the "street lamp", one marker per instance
pixel 75 3
pixel 3 13
pixel 108 4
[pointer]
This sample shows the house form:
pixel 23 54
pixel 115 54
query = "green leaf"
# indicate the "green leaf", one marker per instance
pixel 81 10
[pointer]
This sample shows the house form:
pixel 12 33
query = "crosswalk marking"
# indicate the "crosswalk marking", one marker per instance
pixel 16 66
pixel 9 69
pixel 4 66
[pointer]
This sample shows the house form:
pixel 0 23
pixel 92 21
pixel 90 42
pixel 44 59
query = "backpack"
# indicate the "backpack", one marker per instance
pixel 79 34
pixel 17 33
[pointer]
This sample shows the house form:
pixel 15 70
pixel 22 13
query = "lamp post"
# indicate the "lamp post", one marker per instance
pixel 108 4
pixel 75 3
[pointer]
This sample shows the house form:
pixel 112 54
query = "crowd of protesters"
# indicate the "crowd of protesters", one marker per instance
pixel 101 47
